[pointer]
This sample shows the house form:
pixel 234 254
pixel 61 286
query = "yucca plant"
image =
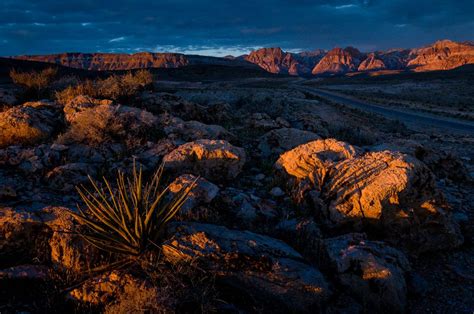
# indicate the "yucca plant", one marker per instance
pixel 130 218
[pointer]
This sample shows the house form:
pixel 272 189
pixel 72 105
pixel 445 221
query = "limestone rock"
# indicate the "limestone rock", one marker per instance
pixel 80 104
pixel 193 130
pixel 67 177
pixel 277 141
pixel 307 166
pixel 213 159
pixel 22 236
pixel 107 123
pixel 203 193
pixel 266 268
pixel 370 270
pixel 28 124
pixel 394 192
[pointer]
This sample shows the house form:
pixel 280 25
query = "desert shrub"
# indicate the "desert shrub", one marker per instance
pixel 35 83
pixel 87 88
pixel 112 124
pixel 116 87
pixel 131 218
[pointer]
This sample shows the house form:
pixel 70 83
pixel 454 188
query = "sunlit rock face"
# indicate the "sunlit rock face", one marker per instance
pixel 339 61
pixel 442 55
pixel 275 60
pixel 396 193
pixel 30 123
pixel 307 166
pixel 389 191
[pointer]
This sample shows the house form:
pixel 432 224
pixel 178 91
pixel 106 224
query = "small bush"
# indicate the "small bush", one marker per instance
pixel 116 87
pixel 131 218
pixel 34 82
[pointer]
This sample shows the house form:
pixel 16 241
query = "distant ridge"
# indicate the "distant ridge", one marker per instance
pixel 442 55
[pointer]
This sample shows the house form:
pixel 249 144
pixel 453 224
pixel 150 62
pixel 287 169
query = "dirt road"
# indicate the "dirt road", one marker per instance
pixel 416 120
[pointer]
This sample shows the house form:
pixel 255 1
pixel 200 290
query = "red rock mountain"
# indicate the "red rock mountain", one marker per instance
pixel 112 61
pixel 338 61
pixel 442 55
pixel 275 60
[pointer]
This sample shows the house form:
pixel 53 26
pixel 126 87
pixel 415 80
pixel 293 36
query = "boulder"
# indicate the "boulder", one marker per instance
pixel 215 160
pixel 277 141
pixel 159 103
pixel 202 194
pixel 372 271
pixel 107 123
pixel 23 236
pixel 82 103
pixel 28 124
pixel 395 193
pixel 444 164
pixel 65 178
pixel 307 166
pixel 302 234
pixel 263 121
pixel 24 272
pixel 69 251
pixel 48 236
pixel 192 130
pixel 245 210
pixel 265 269
pixel 120 292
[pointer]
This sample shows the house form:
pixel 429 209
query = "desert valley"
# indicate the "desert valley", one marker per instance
pixel 322 181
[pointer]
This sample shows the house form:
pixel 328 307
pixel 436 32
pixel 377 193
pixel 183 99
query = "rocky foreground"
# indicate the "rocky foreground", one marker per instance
pixel 296 209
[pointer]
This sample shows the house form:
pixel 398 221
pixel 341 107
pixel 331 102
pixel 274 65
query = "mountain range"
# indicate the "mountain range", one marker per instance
pixel 442 55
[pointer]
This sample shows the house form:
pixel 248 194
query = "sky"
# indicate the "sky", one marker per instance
pixel 222 27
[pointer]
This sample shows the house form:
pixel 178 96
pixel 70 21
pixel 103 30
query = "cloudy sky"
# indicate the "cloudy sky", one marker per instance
pixel 221 27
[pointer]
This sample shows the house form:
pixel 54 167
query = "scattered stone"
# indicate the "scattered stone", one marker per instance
pixel 277 192
pixel 25 272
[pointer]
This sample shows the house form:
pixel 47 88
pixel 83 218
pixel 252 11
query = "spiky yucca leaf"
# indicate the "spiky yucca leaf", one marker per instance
pixel 127 220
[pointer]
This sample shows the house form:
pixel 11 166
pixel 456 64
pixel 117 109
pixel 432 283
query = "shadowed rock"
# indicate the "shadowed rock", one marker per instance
pixel 175 128
pixel 277 141
pixel 265 268
pixel 203 193
pixel 370 270
pixel 213 159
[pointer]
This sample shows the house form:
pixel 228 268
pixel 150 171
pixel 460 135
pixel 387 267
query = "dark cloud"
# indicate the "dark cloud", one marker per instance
pixel 220 27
